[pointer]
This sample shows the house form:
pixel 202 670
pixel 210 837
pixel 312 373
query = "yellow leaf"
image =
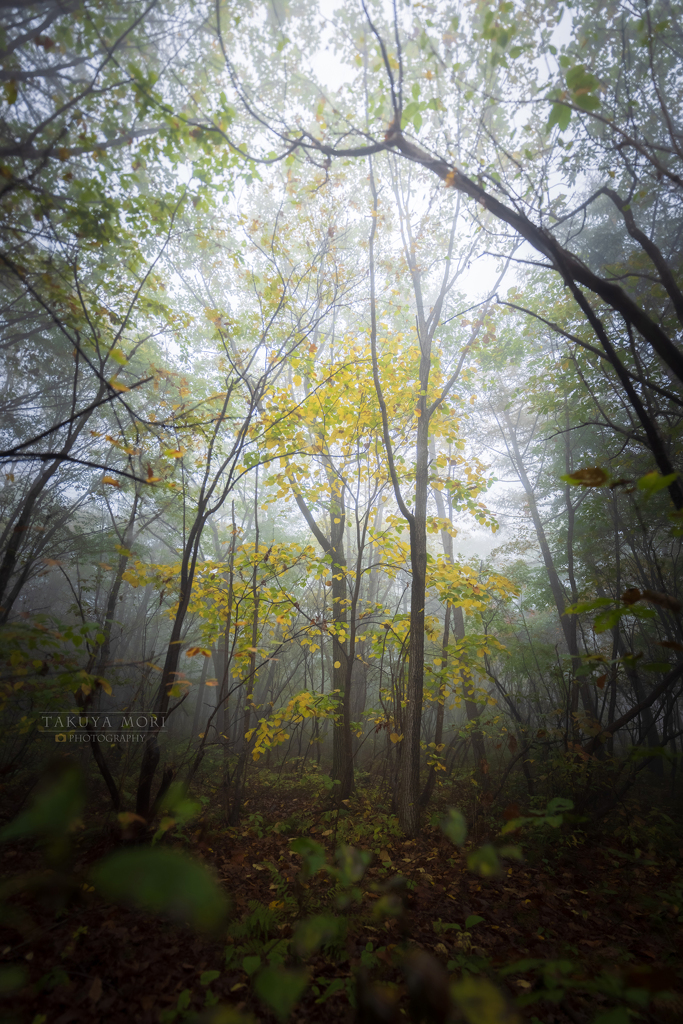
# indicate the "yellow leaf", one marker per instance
pixel 394 737
pixel 211 682
pixel 127 818
pixel 174 453
pixel 483 1003
pixel 110 480
pixel 105 686
pixel 117 386
pixel 593 477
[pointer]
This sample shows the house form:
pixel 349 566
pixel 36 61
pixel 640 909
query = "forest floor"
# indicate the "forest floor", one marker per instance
pixel 571 932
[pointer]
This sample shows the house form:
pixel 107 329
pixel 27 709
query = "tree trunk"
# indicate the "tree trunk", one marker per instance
pixel 342 746
pixel 567 622
pixel 20 527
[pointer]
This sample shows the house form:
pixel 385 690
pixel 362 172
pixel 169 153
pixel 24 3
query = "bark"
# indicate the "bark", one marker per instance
pixel 30 561
pixel 649 247
pixel 567 623
pixel 16 537
pixel 564 261
pixel 342 741
pixel 471 708
pixel 440 702
pixel 668 681
pixel 569 266
pixel 241 770
pixel 197 717
pixel 116 586
pixel 151 752
pixel 408 792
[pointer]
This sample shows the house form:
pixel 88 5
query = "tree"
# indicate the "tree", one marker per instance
pixel 516 189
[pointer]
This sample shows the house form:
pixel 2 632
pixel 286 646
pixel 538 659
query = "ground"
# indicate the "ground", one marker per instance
pixel 568 933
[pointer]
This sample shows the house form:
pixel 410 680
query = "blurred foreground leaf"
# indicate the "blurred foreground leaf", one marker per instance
pixel 162 881
pixel 454 826
pixel 482 1003
pixel 56 807
pixel 280 989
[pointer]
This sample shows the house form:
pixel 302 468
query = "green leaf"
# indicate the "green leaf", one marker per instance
pixel 606 620
pixel 560 115
pixel 512 825
pixel 586 101
pixel 587 606
pixel 251 964
pixel 336 985
pixel 178 805
pixel 472 920
pixel 352 864
pixel 513 852
pixel 454 826
pixel 162 881
pixel 314 932
pixel 619 1015
pixel 578 79
pixel 313 854
pixel 280 989
pixel 12 977
pixel 409 113
pixel 11 92
pixel 55 809
pixel 481 1002
pixel 484 861
pixel 206 977
pixel 558 805
pixel 653 482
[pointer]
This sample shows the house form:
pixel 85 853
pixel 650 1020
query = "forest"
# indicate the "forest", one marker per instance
pixel 341 650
